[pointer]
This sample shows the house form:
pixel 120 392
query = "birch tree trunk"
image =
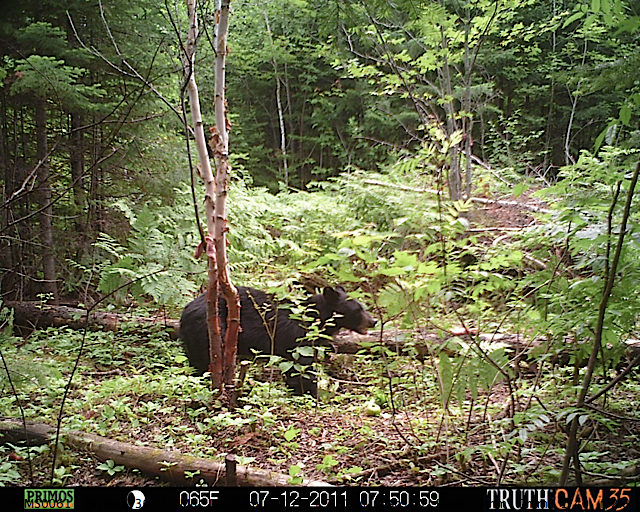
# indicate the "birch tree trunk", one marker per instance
pixel 283 138
pixel 220 146
pixel 222 354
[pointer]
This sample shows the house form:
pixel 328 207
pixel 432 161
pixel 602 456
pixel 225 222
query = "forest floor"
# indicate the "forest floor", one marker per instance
pixel 334 441
pixel 410 443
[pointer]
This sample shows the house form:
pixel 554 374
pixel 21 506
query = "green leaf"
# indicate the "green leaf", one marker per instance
pixel 294 470
pixel 520 188
pixel 572 18
pixel 291 434
pixel 305 351
pixel 328 460
pixel 625 114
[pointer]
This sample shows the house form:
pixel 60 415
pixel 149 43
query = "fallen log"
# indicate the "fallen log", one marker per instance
pixel 169 466
pixel 31 315
pixel 35 315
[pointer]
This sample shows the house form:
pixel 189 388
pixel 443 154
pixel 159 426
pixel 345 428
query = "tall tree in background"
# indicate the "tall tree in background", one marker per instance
pixel 49 82
pixel 283 131
pixel 560 71
pixel 71 126
pixel 428 54
pixel 287 97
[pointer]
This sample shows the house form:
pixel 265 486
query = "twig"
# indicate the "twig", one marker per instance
pixel 481 200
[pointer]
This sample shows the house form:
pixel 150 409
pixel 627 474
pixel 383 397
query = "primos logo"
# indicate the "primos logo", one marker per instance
pixel 48 498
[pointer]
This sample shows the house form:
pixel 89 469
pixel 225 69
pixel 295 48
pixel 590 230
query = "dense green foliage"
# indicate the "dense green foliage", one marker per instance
pixel 314 90
pixel 364 135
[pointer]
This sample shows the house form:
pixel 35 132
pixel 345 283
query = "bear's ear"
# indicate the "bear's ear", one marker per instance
pixel 331 295
pixel 341 290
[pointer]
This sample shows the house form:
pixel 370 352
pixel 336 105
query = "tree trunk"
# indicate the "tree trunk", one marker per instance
pixel 76 159
pixel 574 98
pixel 221 150
pixel 222 353
pixel 467 121
pixel 213 319
pixel 95 216
pixel 8 277
pixel 548 160
pixel 454 177
pixel 283 138
pixel 46 213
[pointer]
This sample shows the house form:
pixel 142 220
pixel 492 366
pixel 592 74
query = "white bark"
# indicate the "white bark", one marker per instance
pixel 283 137
pixel 215 343
pixel 220 142
pixel 196 115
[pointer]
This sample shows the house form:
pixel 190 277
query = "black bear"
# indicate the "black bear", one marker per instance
pixel 268 327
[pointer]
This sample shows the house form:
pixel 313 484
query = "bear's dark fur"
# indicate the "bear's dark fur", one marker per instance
pixel 265 323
